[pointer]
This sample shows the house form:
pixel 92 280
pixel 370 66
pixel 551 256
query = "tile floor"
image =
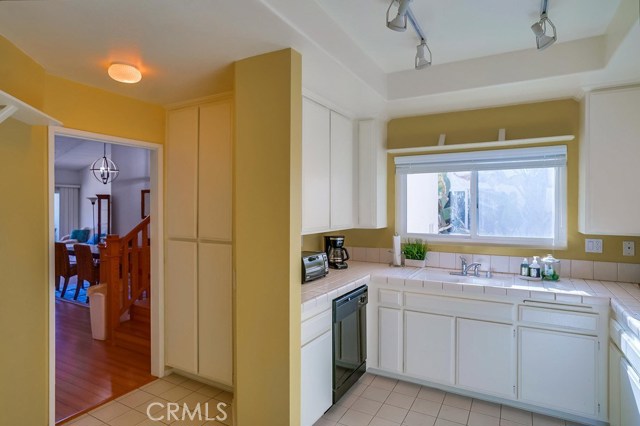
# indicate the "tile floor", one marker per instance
pixel 380 401
pixel 131 409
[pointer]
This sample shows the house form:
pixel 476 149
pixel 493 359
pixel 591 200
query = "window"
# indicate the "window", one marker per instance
pixel 510 196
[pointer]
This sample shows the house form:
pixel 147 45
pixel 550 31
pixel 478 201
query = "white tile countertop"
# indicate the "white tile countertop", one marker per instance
pixel 624 297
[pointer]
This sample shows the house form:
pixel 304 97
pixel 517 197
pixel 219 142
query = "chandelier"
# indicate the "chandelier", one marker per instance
pixel 104 169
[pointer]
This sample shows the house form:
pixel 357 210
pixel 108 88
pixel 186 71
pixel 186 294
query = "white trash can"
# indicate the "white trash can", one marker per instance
pixel 98 310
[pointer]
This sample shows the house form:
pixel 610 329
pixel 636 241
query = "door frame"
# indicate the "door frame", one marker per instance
pixel 156 172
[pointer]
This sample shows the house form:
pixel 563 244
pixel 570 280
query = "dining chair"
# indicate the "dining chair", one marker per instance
pixel 88 268
pixel 64 268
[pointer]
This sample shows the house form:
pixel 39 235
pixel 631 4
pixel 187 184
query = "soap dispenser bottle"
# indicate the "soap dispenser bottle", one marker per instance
pixel 524 267
pixel 534 268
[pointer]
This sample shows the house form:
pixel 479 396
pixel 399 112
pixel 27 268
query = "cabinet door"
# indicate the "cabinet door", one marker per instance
pixel 181 292
pixel 214 171
pixel 215 356
pixel 429 346
pixel 372 175
pixel 486 357
pixel 342 172
pixel 609 162
pixel 316 167
pixel 390 339
pixel 615 371
pixel 559 370
pixel 182 173
pixel 316 381
pixel 629 394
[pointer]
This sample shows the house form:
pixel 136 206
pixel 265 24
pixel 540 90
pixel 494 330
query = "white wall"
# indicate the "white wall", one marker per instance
pixel 125 190
pixel 67 177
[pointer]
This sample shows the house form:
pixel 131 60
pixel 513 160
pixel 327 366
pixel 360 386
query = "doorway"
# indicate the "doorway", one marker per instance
pixel 63 315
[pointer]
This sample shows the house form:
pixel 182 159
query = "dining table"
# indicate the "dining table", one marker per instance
pixel 95 250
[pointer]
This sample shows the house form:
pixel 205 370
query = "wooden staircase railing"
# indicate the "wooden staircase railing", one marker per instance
pixel 125 265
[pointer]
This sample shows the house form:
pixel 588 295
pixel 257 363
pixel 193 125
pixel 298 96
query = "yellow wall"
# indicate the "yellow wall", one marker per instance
pixel 94 110
pixel 24 250
pixel 267 223
pixel 541 119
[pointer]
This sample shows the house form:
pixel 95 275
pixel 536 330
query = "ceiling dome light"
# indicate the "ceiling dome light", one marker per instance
pixel 540 29
pixel 124 73
pixel 399 23
pixel 421 61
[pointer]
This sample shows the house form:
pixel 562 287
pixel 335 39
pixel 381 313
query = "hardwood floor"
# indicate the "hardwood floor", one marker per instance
pixel 90 372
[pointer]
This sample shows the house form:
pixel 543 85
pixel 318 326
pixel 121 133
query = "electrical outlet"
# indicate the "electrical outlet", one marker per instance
pixel 628 248
pixel 592 245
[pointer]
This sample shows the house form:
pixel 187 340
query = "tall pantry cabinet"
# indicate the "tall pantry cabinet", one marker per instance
pixel 198 263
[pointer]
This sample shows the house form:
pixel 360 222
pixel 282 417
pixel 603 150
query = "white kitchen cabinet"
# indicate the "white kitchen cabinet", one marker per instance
pixel 316 380
pixel 328 167
pixel 390 339
pixel 629 394
pixel 429 346
pixel 182 173
pixel 609 152
pixel 372 175
pixel 198 318
pixel 215 171
pixel 316 367
pixel 615 358
pixel 316 167
pixel 559 370
pixel 215 354
pixel 342 172
pixel 181 322
pixel 486 357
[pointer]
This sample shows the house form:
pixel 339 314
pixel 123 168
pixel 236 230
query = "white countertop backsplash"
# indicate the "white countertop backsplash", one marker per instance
pixel 623 296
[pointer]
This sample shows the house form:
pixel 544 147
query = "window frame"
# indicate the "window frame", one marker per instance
pixel 558 241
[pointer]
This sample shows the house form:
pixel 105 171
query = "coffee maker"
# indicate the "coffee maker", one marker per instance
pixel 336 253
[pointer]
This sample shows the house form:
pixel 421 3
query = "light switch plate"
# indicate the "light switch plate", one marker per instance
pixel 628 248
pixel 592 245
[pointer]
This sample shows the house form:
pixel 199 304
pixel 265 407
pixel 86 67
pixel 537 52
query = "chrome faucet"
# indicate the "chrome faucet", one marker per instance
pixel 465 268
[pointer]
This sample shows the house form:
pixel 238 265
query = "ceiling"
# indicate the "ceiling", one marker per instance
pixel 77 154
pixel 481 50
pixel 464 29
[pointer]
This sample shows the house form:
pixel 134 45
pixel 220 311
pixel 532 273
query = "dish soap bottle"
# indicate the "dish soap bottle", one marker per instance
pixel 534 268
pixel 524 267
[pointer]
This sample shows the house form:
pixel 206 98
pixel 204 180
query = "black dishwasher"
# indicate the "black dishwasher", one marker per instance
pixel 349 340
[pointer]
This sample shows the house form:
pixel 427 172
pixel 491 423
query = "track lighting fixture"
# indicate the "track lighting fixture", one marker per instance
pixel 421 61
pixel 399 23
pixel 540 29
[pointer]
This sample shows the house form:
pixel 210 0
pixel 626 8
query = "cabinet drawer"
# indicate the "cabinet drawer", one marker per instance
pixel 556 318
pixel 315 326
pixel 458 306
pixel 390 297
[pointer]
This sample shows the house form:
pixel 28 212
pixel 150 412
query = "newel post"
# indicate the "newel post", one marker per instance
pixel 112 278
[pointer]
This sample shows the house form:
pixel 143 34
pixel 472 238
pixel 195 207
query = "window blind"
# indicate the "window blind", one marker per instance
pixel 502 159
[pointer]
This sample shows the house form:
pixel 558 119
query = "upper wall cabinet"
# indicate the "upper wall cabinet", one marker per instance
pixel 199 172
pixel 372 174
pixel 609 153
pixel 328 164
pixel 182 172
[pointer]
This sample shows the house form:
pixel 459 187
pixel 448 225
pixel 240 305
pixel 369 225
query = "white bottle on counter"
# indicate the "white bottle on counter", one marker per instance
pixel 534 268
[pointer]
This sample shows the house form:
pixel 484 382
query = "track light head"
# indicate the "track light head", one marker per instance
pixel 421 61
pixel 399 23
pixel 540 30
